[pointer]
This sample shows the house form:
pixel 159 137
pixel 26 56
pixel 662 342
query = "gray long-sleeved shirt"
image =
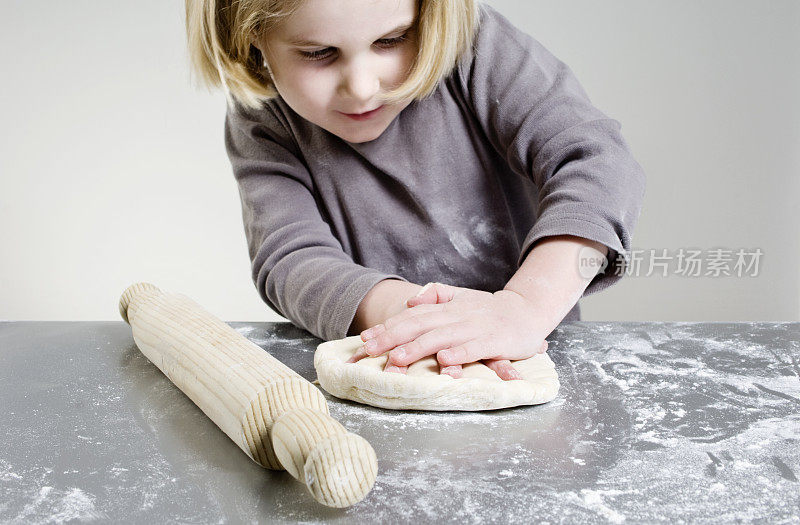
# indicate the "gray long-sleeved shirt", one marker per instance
pixel 508 150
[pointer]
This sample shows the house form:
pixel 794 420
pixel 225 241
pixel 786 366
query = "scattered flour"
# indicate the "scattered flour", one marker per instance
pixel 593 500
pixel 58 506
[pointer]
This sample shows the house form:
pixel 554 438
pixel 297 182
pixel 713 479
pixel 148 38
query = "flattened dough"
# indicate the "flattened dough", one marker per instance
pixel 423 388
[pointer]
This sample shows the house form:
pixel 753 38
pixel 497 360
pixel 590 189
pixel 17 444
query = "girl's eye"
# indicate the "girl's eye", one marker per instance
pixel 322 54
pixel 391 42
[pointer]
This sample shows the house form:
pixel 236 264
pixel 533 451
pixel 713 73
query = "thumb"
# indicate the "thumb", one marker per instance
pixel 433 293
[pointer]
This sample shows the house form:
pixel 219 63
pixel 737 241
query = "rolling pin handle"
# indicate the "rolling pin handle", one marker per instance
pixel 130 292
pixel 338 468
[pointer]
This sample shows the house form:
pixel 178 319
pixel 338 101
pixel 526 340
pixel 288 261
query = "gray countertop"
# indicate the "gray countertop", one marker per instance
pixel 655 422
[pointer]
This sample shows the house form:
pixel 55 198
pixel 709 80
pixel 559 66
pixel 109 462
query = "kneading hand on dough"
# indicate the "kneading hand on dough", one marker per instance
pixel 461 325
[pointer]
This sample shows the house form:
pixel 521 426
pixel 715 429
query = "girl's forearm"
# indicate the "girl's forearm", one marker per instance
pixel 550 278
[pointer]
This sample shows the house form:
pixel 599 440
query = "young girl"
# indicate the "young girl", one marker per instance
pixel 380 145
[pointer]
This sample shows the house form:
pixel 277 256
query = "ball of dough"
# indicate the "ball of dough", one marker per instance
pixel 423 388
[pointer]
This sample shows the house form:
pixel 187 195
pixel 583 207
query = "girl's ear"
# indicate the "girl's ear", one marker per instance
pixel 258 44
pixel 256 39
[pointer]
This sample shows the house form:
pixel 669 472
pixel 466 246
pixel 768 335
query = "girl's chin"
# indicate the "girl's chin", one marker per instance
pixel 357 136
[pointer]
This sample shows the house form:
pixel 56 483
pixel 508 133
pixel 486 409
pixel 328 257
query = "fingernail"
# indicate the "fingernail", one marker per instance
pixel 372 332
pixel 446 355
pixel 399 353
pixel 452 371
pixel 370 345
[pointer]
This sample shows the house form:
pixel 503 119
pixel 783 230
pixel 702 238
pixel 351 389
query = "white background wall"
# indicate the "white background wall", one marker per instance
pixel 113 168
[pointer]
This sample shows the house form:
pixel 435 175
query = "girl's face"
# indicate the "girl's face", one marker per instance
pixel 332 58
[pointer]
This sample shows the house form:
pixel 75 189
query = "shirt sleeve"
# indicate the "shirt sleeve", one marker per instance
pixel 536 114
pixel 298 266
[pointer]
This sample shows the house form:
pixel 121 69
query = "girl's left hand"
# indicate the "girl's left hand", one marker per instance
pixel 460 326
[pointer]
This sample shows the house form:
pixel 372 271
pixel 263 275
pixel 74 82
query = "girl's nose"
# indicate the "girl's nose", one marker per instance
pixel 361 85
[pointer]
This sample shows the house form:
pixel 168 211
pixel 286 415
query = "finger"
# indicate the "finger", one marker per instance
pixel 474 350
pixel 366 335
pixel 433 293
pixel 503 368
pixel 358 356
pixel 394 368
pixel 409 313
pixel 427 295
pixel 454 371
pixel 431 342
pixel 406 331
pixel 466 352
pixel 543 348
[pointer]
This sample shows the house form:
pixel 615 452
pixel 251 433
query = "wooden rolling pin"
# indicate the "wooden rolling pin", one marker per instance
pixel 278 418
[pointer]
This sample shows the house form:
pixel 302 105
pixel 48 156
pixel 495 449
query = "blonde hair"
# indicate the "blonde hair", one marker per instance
pixel 220 33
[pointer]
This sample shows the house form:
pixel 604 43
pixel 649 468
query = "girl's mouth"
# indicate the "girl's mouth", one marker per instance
pixel 363 116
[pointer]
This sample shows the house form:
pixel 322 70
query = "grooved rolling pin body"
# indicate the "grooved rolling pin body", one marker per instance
pixel 244 390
